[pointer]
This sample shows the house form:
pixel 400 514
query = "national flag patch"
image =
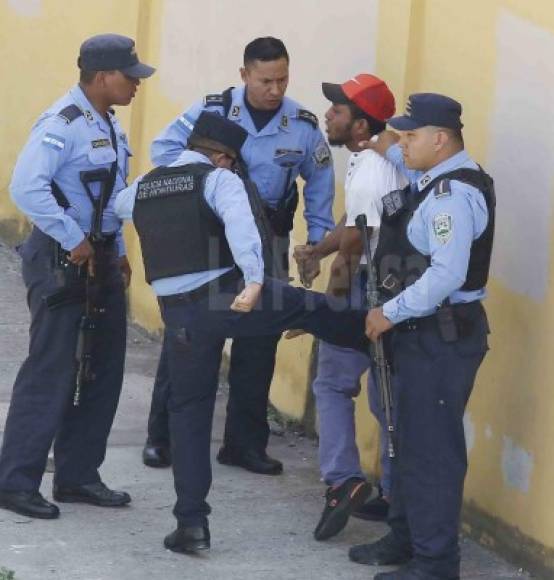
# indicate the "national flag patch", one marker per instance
pixel 54 141
pixel 186 122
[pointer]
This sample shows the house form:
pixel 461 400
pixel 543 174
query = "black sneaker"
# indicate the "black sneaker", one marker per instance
pixel 340 502
pixel 384 552
pixel 374 510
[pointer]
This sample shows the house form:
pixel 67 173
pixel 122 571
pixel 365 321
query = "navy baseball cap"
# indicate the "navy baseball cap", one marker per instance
pixel 112 52
pixel 425 109
pixel 213 131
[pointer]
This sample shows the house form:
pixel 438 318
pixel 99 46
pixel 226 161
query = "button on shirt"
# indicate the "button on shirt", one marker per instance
pixel 286 143
pixel 464 213
pixel 225 194
pixel 58 150
pixel 368 178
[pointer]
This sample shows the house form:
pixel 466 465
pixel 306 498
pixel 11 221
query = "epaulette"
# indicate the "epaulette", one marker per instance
pixel 442 189
pixel 307 116
pixel 214 100
pixel 70 113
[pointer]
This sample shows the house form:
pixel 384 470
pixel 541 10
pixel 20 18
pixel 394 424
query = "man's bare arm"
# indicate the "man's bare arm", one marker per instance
pixel 347 262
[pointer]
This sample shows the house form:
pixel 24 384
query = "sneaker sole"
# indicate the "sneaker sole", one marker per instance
pixel 338 518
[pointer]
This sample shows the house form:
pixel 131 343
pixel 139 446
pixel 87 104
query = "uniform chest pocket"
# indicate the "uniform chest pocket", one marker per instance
pixel 101 155
pixel 288 158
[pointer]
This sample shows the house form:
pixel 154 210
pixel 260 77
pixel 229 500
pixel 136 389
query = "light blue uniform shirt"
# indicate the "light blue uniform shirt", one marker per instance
pixel 286 141
pixel 443 228
pixel 58 150
pixel 225 194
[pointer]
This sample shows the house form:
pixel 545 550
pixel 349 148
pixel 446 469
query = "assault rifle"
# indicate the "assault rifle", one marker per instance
pixel 382 367
pixel 93 309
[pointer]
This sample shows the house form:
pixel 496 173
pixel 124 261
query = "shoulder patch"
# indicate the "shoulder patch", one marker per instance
pixel 442 189
pixel 70 113
pixel 443 227
pixel 322 155
pixel 307 116
pixel 214 100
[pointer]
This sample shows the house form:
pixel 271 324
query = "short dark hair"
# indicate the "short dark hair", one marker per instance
pixel 456 135
pixel 86 76
pixel 375 126
pixel 265 49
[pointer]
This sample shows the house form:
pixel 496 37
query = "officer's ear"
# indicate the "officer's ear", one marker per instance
pixel 243 74
pixel 441 139
pixel 222 160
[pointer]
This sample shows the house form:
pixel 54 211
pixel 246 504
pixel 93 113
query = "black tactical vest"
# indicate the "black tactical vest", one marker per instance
pixel 398 264
pixel 179 232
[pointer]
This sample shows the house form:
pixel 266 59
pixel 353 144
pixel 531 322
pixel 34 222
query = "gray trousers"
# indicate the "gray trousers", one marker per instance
pixel 339 371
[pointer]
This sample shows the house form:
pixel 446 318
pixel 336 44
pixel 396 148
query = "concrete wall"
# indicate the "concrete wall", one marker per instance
pixel 496 56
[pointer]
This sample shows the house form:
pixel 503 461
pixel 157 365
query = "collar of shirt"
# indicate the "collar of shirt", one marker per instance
pixel 92 116
pixel 460 159
pixel 188 156
pixel 239 113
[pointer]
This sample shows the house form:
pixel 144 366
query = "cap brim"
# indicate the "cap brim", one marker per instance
pixel 138 71
pixel 335 94
pixel 405 123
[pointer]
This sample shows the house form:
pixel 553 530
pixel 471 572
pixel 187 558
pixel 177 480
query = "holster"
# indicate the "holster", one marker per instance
pixel 281 217
pixel 72 278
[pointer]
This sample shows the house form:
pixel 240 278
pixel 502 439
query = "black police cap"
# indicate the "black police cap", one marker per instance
pixel 425 109
pixel 216 132
pixel 112 52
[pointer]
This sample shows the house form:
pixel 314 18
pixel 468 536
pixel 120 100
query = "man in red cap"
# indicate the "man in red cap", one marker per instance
pixel 360 109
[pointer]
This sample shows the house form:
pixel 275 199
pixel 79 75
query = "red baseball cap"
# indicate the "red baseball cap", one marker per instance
pixel 368 92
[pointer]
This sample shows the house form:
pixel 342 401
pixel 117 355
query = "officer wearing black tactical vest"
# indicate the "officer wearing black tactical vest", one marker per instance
pixel 432 265
pixel 203 257
pixel 284 142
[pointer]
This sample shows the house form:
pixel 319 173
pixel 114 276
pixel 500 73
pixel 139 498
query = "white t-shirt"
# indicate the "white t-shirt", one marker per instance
pixel 368 178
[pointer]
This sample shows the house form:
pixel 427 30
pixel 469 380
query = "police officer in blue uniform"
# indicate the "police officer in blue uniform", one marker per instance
pixel 203 257
pixel 283 142
pixel 432 262
pixel 76 152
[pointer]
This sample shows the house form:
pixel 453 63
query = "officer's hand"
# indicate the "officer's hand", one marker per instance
pixel 81 253
pixel 380 143
pixel 308 261
pixel 247 299
pixel 376 323
pixel 126 271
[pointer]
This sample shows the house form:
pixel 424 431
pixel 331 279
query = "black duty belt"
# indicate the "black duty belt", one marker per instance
pixel 464 312
pixel 106 241
pixel 202 291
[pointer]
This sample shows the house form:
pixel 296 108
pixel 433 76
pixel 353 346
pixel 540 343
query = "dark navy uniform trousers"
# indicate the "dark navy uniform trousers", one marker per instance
pixel 251 368
pixel 41 407
pixel 196 330
pixel 434 380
